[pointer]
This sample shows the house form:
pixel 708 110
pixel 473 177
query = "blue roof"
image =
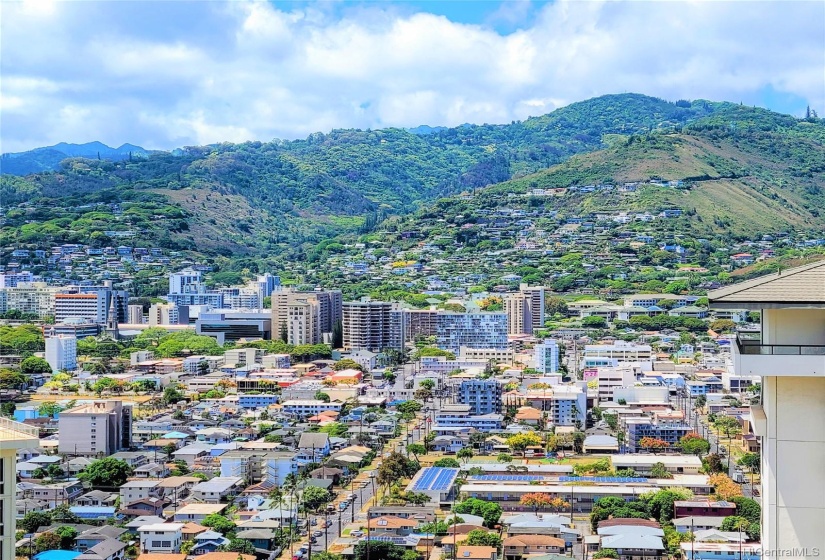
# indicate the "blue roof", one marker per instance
pixel 175 435
pixel 609 479
pixel 435 478
pixel 508 477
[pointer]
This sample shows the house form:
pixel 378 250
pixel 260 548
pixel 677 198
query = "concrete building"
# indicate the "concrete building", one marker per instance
pixel 546 356
pixel 407 325
pixel 161 537
pixel 519 315
pixel 789 354
pixel 13 437
pixel 186 288
pixel 473 330
pixel 309 316
pixel 563 405
pixel 483 395
pixel 536 295
pixel 367 325
pixel 101 427
pixel 167 314
pixel 61 352
pixel 596 355
pixel 135 315
pixel 92 307
pixel 228 325
pixel 29 297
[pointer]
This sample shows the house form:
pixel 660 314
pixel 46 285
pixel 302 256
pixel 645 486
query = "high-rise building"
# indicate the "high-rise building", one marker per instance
pixel 483 395
pixel 91 303
pixel 101 427
pixel 536 295
pixel 187 281
pixel 266 284
pixel 407 325
pixel 186 288
pixel 789 354
pixel 519 316
pixel 327 311
pixel 164 314
pixel 546 356
pixel 13 437
pixel 367 325
pixel 29 297
pixel 473 330
pixel 61 352
pixel 135 315
pixel 14 279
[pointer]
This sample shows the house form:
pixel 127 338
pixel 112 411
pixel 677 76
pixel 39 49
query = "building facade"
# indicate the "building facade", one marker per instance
pixel 101 427
pixel 546 356
pixel 61 352
pixel 483 395
pixel 473 330
pixel 367 325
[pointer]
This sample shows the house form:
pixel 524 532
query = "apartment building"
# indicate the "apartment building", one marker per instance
pixel 563 405
pixel 546 356
pixel 789 354
pixel 474 330
pixel 611 378
pixel 92 307
pixel 309 407
pixel 61 352
pixel 667 430
pixel 519 315
pixel 596 355
pixel 167 314
pixel 13 437
pixel 407 325
pixel 101 427
pixel 29 297
pixel 187 288
pixel 367 325
pixel 483 395
pixel 135 315
pixel 309 316
pixel 536 295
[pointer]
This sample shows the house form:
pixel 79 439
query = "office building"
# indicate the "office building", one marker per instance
pixel 473 330
pixel 186 288
pixel 546 356
pixel 101 427
pixel 483 395
pixel 367 325
pixel 789 354
pixel 13 437
pixel 596 355
pixel 266 284
pixel 135 315
pixel 227 325
pixel 519 315
pixel 91 303
pixel 61 352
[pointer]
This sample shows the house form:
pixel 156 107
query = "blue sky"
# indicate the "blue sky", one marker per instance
pixel 168 74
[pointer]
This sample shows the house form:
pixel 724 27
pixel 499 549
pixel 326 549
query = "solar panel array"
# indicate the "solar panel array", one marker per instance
pixel 616 479
pixel 507 477
pixel 436 478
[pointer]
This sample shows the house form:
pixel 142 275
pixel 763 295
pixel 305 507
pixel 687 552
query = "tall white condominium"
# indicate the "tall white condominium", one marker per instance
pixel 61 352
pixel 13 437
pixel 135 315
pixel 789 354
pixel 473 330
pixel 547 356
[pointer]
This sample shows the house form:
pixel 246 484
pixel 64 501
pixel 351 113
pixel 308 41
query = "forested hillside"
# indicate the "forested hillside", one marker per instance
pixel 282 198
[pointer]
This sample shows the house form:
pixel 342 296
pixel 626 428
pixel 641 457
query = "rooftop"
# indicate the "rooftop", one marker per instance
pixel 802 285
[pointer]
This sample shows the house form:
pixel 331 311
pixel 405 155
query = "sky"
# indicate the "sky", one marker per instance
pixel 164 74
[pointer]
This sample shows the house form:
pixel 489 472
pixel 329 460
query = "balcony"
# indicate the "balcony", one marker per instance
pixel 14 435
pixel 752 357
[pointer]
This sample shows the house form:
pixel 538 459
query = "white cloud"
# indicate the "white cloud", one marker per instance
pixel 168 74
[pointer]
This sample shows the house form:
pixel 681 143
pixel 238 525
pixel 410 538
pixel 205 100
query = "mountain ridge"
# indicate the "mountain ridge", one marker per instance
pixel 48 158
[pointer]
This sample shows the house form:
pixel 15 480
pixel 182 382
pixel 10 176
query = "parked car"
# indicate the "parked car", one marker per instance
pixel 343 505
pixel 318 534
pixel 356 534
pixel 352 497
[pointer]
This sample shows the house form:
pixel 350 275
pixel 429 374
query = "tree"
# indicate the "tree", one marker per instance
pixel 10 379
pixel 64 514
pixel 241 546
pixel 490 511
pixel 605 553
pixel 723 326
pixel 700 402
pixel 520 442
pixel 321 396
pixel 465 454
pixel 538 500
pixel 658 470
pixel 504 458
pixel 49 408
pixel 103 384
pixel 47 541
pixel 7 409
pixel 416 498
pixel 748 508
pixel 594 322
pixel 447 462
pixel 651 443
pixel 394 467
pixel 378 550
pixel 409 407
pixel 67 537
pixel 712 463
pixel 172 395
pixel 33 364
pixel 219 523
pixel 423 395
pixel 615 507
pixel 694 444
pixel 313 497
pixel 750 461
pixel 416 449
pixel 428 384
pixel 660 504
pixel 727 425
pixel 479 537
pixel 347 363
pixel 107 472
pixel 34 519
pixel 724 487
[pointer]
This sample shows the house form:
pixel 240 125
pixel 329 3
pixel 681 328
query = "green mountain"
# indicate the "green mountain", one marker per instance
pixel 48 158
pixel 281 199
